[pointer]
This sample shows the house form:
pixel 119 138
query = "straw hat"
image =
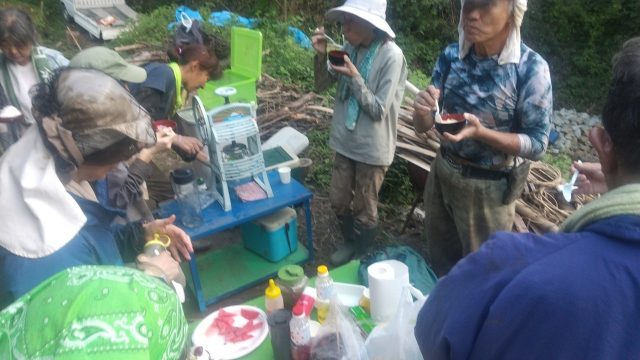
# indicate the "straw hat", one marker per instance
pixel 372 11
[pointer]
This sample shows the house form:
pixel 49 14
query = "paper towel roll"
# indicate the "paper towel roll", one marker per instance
pixel 386 281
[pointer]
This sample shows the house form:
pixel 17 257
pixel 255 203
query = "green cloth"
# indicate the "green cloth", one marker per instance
pixel 96 312
pixel 177 73
pixel 353 108
pixel 624 200
pixel 41 63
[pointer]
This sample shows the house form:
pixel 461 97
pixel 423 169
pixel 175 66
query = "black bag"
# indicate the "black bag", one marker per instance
pixel 188 36
pixel 516 181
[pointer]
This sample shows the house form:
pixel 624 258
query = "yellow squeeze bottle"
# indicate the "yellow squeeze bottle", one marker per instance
pixel 273 297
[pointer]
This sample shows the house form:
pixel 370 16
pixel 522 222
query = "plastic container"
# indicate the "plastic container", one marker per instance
pixel 285 174
pixel 245 71
pixel 292 281
pixel 158 124
pixel 295 141
pixel 300 335
pixel 188 197
pixel 273 237
pixel 280 334
pixel 324 291
pixel 273 298
pixel 365 301
pixel 157 245
pixel 307 300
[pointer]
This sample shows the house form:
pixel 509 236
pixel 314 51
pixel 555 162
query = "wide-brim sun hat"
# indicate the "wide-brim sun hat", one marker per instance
pixel 99 111
pixel 372 11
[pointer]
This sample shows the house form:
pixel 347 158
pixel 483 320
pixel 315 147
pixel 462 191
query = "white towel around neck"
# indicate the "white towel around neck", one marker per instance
pixel 37 216
pixel 511 51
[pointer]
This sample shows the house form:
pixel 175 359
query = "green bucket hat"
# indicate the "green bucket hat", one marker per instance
pixel 96 312
pixel 109 62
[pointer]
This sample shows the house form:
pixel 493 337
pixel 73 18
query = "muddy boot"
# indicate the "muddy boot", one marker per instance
pixel 345 251
pixel 364 238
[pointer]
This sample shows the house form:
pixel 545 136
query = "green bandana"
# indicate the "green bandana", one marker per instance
pixel 178 75
pixel 95 312
pixel 353 108
pixel 624 200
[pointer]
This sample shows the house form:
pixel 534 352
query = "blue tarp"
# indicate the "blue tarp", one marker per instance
pixel 224 18
pixel 300 37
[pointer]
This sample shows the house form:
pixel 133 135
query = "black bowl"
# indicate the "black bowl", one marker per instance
pixel 450 126
pixel 336 57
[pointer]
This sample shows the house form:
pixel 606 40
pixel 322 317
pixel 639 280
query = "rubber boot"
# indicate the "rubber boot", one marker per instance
pixel 364 239
pixel 345 251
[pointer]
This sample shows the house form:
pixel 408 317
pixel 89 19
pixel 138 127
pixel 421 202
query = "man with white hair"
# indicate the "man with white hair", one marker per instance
pixel 503 88
pixel 566 295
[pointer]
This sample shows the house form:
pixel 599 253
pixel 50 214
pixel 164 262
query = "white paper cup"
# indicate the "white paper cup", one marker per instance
pixel 285 174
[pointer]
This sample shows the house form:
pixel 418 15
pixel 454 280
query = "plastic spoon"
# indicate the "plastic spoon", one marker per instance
pixel 438 117
pixel 568 188
pixel 332 41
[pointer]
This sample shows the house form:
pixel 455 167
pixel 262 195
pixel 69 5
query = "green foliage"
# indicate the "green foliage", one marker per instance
pixel 419 78
pixel 47 17
pixel 578 39
pixel 150 29
pixel 397 189
pixel 423 29
pixel 561 161
pixel 283 58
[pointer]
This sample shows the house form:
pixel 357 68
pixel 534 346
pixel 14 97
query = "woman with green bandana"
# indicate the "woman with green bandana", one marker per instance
pixel 98 313
pixel 363 130
pixel 23 64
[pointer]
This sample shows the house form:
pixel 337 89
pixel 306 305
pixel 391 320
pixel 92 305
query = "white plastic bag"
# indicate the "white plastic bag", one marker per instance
pixel 398 331
pixel 339 337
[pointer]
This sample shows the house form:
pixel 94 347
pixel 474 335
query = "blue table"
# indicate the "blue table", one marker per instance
pixel 216 220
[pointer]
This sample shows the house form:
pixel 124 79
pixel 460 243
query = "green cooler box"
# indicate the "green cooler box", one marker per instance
pixel 274 236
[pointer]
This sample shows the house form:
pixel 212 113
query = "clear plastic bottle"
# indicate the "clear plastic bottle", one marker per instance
pixel 206 197
pixel 300 334
pixel 273 297
pixel 324 291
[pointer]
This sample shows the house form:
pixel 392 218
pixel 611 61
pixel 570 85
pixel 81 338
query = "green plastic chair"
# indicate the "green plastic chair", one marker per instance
pixel 245 71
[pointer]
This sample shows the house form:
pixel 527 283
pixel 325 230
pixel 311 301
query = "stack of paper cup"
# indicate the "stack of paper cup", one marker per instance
pixel 386 281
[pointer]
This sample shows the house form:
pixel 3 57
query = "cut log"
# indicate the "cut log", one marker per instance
pixel 320 108
pixel 528 213
pixel 519 224
pixel 286 110
pixel 415 160
pixel 128 47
